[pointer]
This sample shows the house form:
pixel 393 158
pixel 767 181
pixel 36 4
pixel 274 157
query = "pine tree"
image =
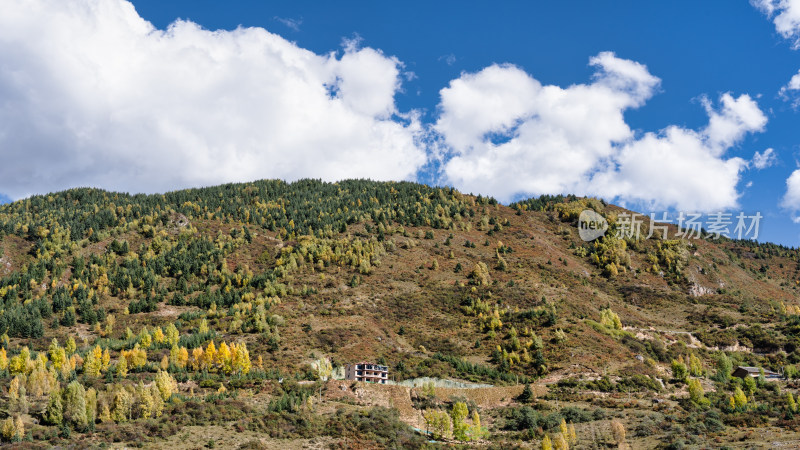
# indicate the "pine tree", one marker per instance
pixel 94 362
pixel 71 347
pixel 562 427
pixel 560 442
pixel 8 429
pixel 173 335
pixel 75 405
pixel 67 367
pixel 183 357
pixel 695 366
pixel 14 395
pixel 158 402
pixel 121 410
pixel 109 328
pixel 145 340
pixel 106 360
pixel 458 414
pixel 739 398
pixel 57 354
pixel 610 319
pixel 173 355
pixel 209 356
pixel 105 413
pixel 13 429
pixel 197 358
pixel 724 368
pixel 145 404
pixel 547 444
pixel 19 429
pixel 39 381
pixel 158 336
pixel 166 384
pixel 241 359
pixel 527 394
pixel 54 413
pixel 122 367
pixel 696 394
pixel 750 386
pixel 679 371
pixel 223 358
pixel 91 406
pixel 19 363
pixel 23 400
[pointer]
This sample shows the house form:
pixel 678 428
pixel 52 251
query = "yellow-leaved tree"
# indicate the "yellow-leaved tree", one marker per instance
pixel 240 359
pixel 173 335
pixel 158 336
pixel 93 364
pixel 57 354
pixel 122 367
pixel 223 358
pixel 197 358
pixel 71 346
pixel 209 356
pixel 166 384
pixel 183 357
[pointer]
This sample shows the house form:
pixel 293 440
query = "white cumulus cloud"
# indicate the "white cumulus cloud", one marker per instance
pixel 765 159
pixel 794 83
pixel 785 14
pixel 791 90
pixel 683 168
pixel 92 94
pixel 510 135
pixel 791 200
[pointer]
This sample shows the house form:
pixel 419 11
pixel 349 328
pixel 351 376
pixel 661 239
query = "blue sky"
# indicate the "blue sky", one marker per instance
pixel 410 80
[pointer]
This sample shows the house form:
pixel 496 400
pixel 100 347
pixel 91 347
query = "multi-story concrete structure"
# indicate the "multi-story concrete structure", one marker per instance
pixel 364 371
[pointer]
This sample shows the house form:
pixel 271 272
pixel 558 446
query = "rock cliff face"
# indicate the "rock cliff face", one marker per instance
pixel 695 290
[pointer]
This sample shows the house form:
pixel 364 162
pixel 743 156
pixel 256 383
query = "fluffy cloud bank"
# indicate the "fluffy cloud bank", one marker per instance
pixel 92 94
pixel 791 200
pixel 785 14
pixel 511 135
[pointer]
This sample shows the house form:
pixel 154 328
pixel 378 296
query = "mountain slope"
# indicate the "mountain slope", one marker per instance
pixel 429 281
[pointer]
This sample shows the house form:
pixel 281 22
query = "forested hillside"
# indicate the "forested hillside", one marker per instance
pixel 136 318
